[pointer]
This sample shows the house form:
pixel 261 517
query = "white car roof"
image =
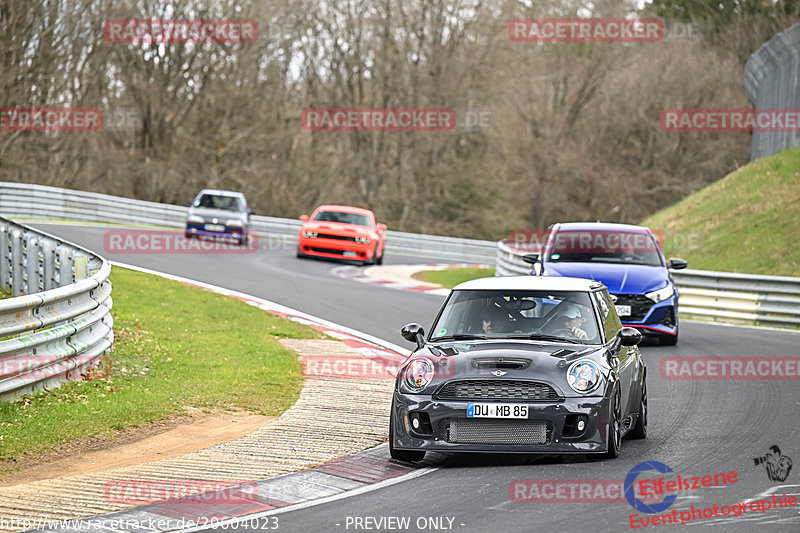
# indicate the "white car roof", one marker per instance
pixel 533 283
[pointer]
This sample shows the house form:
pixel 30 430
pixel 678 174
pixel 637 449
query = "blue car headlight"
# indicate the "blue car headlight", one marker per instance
pixel 661 294
pixel 583 376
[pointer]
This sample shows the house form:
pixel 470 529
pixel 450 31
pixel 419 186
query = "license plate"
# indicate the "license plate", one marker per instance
pixel 215 227
pixel 497 410
pixel 623 310
pixel 349 254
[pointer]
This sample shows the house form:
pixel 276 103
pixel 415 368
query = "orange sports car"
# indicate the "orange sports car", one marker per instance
pixel 341 232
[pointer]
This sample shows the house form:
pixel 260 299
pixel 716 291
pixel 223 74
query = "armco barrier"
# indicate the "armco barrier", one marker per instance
pixel 58 321
pixel 717 296
pixel 40 201
pixel 770 78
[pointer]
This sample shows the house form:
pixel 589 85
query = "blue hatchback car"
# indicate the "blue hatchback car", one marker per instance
pixel 629 261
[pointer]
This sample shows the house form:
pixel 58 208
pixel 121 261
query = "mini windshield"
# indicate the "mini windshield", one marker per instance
pixel 591 246
pixel 543 315
pixel 342 218
pixel 216 201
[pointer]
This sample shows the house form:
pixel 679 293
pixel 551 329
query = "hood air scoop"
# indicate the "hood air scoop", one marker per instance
pixel 506 363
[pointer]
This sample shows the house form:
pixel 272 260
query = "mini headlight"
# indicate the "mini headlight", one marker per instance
pixel 362 240
pixel 583 376
pixel 194 219
pixel 661 294
pixel 234 223
pixel 418 374
pixel 309 234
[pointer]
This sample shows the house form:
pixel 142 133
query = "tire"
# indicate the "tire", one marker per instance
pixel 669 340
pixel 639 431
pixel 614 426
pixel 300 255
pixel 408 456
pixel 380 260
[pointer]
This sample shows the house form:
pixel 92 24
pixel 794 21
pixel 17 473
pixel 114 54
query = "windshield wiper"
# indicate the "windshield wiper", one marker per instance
pixel 544 337
pixel 459 337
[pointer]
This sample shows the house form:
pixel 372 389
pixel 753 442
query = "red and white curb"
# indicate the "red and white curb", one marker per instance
pixel 359 274
pixel 354 474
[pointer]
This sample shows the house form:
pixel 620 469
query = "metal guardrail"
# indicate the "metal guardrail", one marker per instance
pixel 770 78
pixel 58 321
pixel 717 296
pixel 40 201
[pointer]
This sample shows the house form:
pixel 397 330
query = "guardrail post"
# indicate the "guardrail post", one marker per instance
pixel 5 265
pixel 49 264
pixel 17 259
pixel 32 253
pixel 81 266
pixel 65 266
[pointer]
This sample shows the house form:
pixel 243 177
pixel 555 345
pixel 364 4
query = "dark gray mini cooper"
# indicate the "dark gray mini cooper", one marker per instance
pixel 521 364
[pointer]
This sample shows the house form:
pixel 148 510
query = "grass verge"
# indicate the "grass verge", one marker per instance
pixel 452 277
pixel 176 347
pixel 745 222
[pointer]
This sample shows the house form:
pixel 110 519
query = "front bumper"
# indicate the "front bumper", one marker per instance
pixel 660 319
pixel 559 417
pixel 335 249
pixel 199 229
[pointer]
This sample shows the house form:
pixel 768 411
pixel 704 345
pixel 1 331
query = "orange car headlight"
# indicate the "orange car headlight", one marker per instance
pixel 309 234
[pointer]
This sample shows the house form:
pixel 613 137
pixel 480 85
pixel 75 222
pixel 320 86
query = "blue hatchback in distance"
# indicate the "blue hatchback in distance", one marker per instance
pixel 628 260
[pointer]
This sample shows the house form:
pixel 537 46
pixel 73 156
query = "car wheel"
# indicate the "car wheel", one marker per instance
pixel 669 340
pixel 409 456
pixel 615 426
pixel 188 235
pixel 639 431
pixel 300 254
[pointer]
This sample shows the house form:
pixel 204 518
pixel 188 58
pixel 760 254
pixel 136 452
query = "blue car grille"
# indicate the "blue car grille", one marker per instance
pixel 640 305
pixel 497 389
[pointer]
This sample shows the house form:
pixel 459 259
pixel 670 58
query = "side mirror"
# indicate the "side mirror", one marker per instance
pixel 629 336
pixel 382 227
pixel 413 333
pixel 304 218
pixel 676 263
pixel 531 259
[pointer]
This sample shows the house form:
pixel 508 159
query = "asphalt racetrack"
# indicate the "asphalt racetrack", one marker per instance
pixel 696 427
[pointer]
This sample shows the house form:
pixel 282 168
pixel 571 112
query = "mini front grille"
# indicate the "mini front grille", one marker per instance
pixel 640 305
pixel 494 431
pixel 335 237
pixel 497 389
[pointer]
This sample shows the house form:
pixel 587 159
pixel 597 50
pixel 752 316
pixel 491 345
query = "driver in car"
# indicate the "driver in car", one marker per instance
pixel 572 321
pixel 493 321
